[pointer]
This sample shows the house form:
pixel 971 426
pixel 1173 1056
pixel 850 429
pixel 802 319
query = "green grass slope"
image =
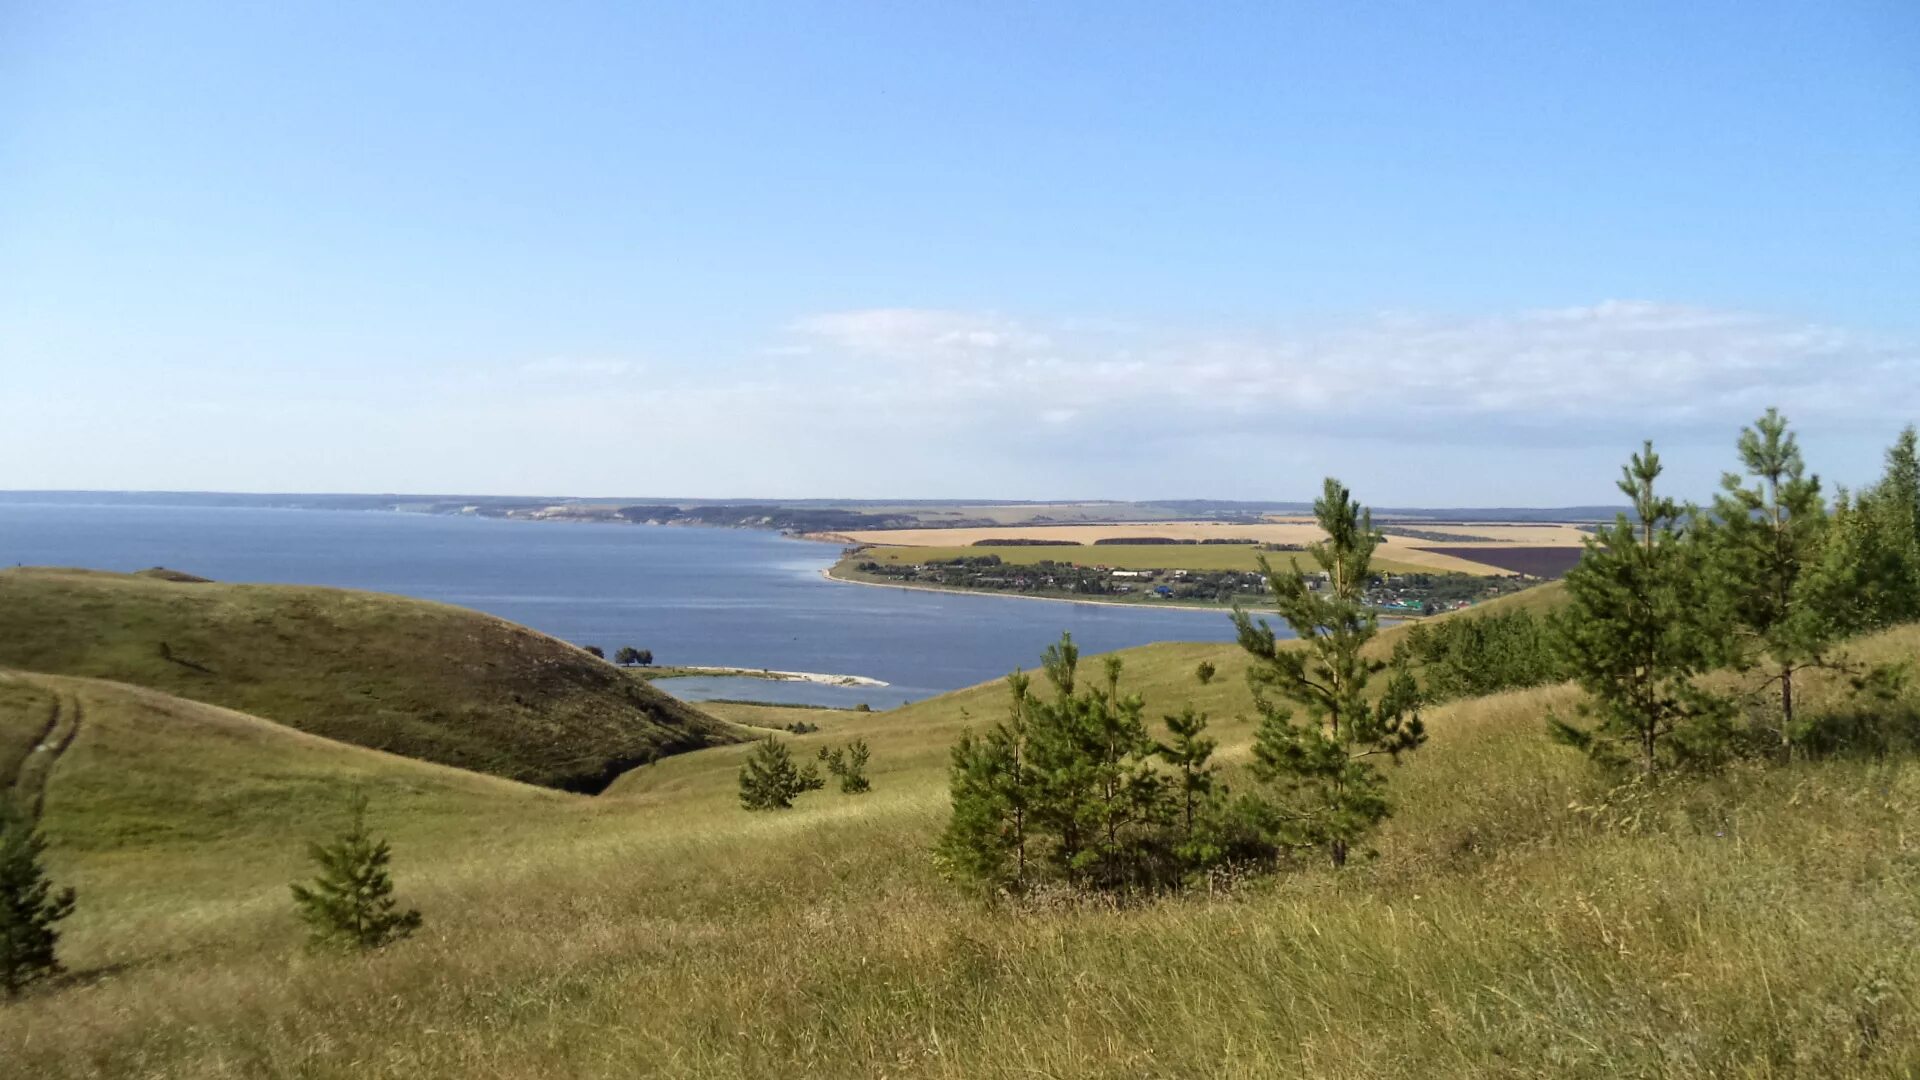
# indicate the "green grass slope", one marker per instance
pixel 1521 920
pixel 419 679
pixel 167 813
pixel 1537 600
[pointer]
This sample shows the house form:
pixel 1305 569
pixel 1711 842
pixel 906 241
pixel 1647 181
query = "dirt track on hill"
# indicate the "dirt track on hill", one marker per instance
pixel 27 787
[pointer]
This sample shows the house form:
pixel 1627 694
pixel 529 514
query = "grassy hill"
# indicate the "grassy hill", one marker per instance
pixel 1521 920
pixel 422 680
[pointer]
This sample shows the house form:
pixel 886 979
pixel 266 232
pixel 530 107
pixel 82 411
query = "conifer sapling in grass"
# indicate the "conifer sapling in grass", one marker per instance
pixel 1768 538
pixel 1896 506
pixel 29 904
pixel 1331 792
pixel 1100 798
pixel 769 780
pixel 1642 621
pixel 1188 749
pixel 849 765
pixel 350 904
pixel 993 789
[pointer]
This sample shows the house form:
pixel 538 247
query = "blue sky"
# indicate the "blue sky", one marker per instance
pixel 1452 253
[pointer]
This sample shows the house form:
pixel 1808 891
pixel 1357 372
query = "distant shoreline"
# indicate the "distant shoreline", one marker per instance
pixel 691 672
pixel 1133 605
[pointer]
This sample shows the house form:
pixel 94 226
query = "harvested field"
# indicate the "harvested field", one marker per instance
pixel 1270 532
pixel 1405 552
pixel 1542 562
pixel 1148 557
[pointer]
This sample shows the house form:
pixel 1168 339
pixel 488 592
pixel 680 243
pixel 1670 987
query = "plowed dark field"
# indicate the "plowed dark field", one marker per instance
pixel 1541 562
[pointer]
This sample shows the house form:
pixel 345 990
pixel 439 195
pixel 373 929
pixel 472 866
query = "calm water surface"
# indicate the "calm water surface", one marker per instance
pixel 699 596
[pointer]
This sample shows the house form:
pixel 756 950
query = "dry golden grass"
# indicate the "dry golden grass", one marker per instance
pixel 1756 925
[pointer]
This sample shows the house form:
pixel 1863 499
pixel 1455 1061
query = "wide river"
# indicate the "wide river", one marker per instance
pixel 719 597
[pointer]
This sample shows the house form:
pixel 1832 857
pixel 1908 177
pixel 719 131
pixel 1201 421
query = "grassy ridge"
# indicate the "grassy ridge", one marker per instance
pixel 423 680
pixel 1756 925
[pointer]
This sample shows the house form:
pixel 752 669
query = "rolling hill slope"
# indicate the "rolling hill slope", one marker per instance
pixel 1520 920
pixel 423 680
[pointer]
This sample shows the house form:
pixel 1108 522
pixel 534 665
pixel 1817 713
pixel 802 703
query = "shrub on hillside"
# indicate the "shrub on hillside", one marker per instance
pixel 1476 655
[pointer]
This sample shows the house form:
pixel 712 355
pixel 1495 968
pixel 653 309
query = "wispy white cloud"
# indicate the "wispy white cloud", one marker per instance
pixel 916 332
pixel 1604 364
pixel 1529 407
pixel 563 366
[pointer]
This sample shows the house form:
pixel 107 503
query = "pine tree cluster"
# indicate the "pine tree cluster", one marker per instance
pixel 1071 788
pixel 1767 582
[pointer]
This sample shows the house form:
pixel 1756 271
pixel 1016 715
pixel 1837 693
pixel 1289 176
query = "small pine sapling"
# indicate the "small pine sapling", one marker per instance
pixel 1768 539
pixel 769 780
pixel 350 903
pixel 1189 750
pixel 849 765
pixel 1641 623
pixel 29 905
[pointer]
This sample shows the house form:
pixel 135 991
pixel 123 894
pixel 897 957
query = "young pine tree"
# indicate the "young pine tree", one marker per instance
pixel 848 764
pixel 1862 581
pixel 1332 793
pixel 993 790
pixel 1099 796
pixel 1882 528
pixel 1769 540
pixel 1189 751
pixel 1898 492
pixel 1639 625
pixel 29 904
pixel 350 903
pixel 769 780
